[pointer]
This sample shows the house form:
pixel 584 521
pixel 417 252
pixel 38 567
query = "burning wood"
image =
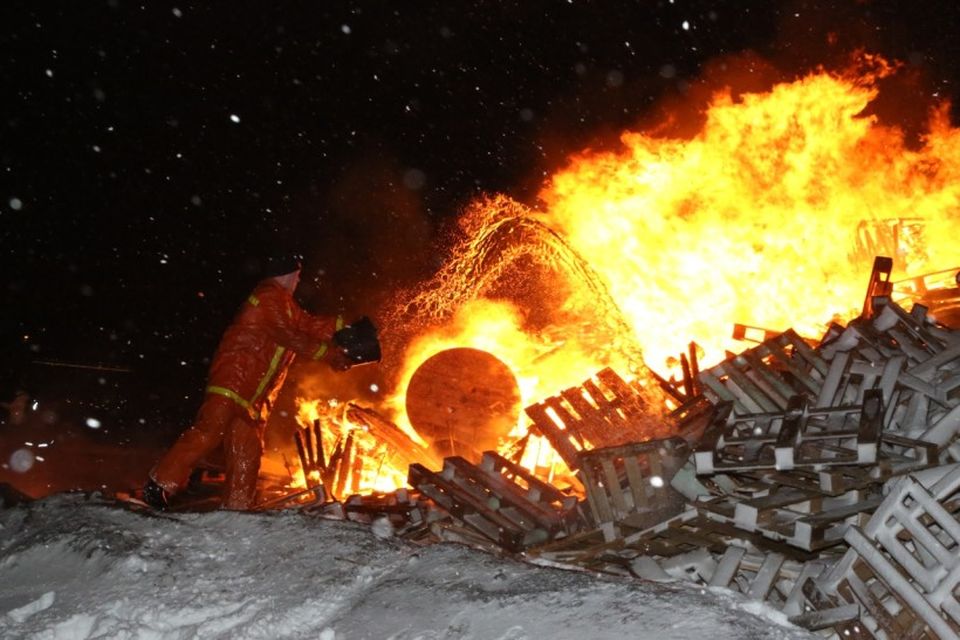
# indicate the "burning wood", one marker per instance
pixel 602 412
pixel 794 462
pixel 351 449
pixel 404 450
pixel 770 463
pixel 310 449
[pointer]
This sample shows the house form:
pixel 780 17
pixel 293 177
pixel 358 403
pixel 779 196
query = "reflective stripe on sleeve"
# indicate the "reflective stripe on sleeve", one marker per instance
pixel 324 347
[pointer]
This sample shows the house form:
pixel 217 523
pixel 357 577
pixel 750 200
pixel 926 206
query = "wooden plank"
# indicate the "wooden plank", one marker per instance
pixel 600 506
pixel 635 481
pixel 827 618
pixel 727 568
pixel 760 587
pixel 752 390
pixel 769 380
pixel 611 481
pixel 629 399
pixel 831 384
pixel 560 439
pixel 803 350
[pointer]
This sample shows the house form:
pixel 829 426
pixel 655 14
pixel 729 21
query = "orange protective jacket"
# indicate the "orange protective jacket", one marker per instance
pixel 257 348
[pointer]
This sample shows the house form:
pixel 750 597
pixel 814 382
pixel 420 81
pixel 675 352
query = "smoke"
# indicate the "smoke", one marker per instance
pixel 367 237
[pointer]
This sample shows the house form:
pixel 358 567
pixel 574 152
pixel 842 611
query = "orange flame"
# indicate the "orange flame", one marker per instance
pixel 363 464
pixel 770 216
pixel 756 219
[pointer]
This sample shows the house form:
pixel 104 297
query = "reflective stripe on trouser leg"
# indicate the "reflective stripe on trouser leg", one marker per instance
pixel 215 415
pixel 243 448
pixel 233 395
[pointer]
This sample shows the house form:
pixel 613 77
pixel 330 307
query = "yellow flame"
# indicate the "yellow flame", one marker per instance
pixel 367 466
pixel 769 216
pixel 541 366
pixel 755 220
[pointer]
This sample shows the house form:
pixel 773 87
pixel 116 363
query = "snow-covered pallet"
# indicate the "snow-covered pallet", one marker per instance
pixel 629 487
pixel 764 577
pixel 913 361
pixel 678 536
pixel 897 456
pixel 604 411
pixel 689 532
pixel 802 519
pixel 499 499
pixel 903 566
pixel 800 436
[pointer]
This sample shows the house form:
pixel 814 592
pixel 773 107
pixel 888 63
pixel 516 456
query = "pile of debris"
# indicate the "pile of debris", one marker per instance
pixel 822 479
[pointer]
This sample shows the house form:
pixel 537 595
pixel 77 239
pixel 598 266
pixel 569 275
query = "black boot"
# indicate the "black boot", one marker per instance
pixel 155 496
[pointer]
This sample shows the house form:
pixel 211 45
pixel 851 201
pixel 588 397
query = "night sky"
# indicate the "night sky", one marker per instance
pixel 155 157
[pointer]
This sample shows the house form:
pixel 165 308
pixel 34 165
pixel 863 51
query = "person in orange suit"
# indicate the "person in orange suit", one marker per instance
pixel 245 376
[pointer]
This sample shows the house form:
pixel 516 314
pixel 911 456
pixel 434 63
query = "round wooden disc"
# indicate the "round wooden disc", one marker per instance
pixel 463 401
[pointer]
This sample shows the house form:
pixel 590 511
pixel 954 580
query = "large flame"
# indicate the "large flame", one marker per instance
pixel 757 219
pixel 769 216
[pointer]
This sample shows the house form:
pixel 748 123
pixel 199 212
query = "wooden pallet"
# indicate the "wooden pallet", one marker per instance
pixel 403 509
pixel 499 499
pixel 798 437
pixel 768 577
pixel 604 411
pixel 903 567
pixel 764 378
pixel 628 487
pixel 897 456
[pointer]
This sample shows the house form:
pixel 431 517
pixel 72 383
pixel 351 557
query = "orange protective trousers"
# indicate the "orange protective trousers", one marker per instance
pixel 220 420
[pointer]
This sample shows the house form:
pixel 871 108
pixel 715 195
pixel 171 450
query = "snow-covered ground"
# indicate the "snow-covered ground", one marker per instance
pixel 71 567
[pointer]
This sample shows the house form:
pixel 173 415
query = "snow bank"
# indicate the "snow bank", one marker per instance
pixel 73 568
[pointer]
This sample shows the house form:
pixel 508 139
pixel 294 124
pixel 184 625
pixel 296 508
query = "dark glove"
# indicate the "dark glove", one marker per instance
pixel 358 342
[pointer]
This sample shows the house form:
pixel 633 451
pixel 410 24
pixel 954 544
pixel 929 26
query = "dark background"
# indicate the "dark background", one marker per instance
pixel 156 157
